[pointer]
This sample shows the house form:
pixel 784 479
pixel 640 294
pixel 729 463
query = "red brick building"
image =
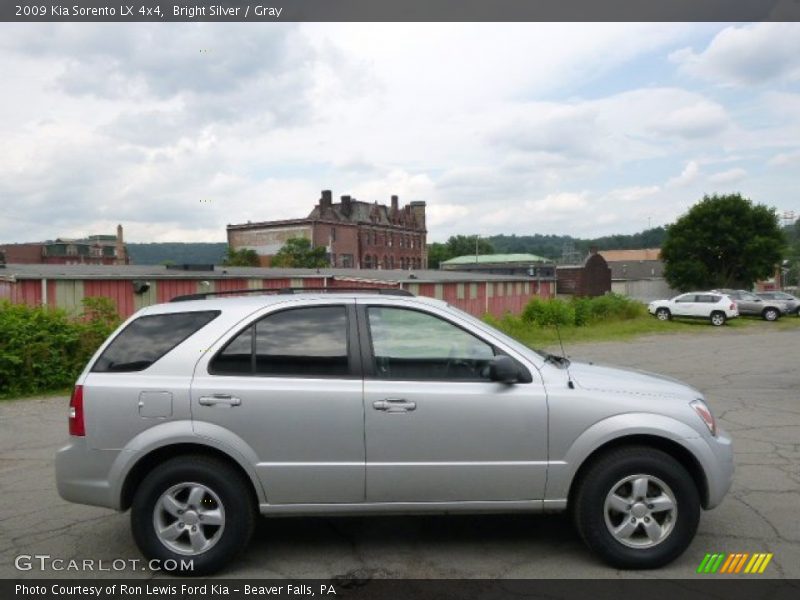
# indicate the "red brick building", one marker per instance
pixel 92 250
pixel 360 235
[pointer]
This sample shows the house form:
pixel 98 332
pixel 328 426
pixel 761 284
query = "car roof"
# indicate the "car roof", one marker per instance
pixel 251 303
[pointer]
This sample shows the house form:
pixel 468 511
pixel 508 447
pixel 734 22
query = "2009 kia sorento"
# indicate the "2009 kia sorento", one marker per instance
pixel 201 413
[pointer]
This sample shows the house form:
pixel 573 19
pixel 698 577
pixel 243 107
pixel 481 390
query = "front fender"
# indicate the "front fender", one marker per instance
pixel 183 432
pixel 562 470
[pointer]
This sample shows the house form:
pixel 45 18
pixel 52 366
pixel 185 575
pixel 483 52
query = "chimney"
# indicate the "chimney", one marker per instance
pixel 326 200
pixel 347 206
pixel 418 210
pixel 120 247
pixel 394 204
pixel 593 250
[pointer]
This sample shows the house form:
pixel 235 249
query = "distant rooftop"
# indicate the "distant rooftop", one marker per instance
pixel 494 259
pixel 51 271
pixel 631 255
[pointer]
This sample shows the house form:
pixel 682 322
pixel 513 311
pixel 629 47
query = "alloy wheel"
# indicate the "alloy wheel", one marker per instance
pixel 189 518
pixel 640 511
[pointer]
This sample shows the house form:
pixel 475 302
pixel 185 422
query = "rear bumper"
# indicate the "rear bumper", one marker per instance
pixel 83 475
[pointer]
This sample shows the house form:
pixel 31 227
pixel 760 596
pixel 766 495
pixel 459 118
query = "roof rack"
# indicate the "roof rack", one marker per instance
pixel 292 290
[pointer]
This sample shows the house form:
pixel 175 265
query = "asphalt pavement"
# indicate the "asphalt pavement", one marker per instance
pixel 751 379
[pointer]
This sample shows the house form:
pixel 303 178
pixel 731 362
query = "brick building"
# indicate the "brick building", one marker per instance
pixel 357 234
pixel 91 250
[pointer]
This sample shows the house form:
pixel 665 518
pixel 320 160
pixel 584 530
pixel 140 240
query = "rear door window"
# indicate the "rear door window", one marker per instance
pixel 300 342
pixel 149 338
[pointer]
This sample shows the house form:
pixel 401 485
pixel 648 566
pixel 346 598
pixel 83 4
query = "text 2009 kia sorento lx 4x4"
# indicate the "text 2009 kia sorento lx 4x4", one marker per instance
pixel 201 413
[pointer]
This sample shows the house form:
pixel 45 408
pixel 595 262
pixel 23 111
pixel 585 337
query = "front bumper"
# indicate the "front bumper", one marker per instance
pixel 716 457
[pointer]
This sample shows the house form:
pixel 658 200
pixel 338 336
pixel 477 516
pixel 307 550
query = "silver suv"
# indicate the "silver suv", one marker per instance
pixel 201 413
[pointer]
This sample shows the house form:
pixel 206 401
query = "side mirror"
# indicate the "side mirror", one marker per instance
pixel 503 369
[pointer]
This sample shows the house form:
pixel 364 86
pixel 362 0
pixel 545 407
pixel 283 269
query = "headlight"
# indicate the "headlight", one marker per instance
pixel 702 410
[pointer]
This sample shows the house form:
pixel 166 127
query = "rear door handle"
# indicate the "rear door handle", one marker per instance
pixel 394 405
pixel 224 399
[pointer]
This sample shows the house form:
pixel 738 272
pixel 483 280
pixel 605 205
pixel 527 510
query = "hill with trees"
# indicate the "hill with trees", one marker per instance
pixel 177 253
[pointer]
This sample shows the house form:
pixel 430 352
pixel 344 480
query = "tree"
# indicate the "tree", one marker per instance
pixel 723 241
pixel 457 245
pixel 297 252
pixel 241 258
pixel 460 245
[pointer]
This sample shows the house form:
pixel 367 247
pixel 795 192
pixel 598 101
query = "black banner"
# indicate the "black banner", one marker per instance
pixel 397 589
pixel 399 10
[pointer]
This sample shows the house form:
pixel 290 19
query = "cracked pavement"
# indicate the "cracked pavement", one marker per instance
pixel 751 381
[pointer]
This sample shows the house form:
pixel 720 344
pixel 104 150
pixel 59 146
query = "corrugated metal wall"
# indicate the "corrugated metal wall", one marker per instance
pixel 476 298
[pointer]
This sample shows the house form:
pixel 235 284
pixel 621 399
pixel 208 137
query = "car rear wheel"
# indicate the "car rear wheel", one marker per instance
pixel 637 508
pixel 718 318
pixel 663 314
pixel 771 314
pixel 193 510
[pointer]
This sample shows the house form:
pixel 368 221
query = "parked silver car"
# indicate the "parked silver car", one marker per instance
pixel 792 303
pixel 199 414
pixel 749 304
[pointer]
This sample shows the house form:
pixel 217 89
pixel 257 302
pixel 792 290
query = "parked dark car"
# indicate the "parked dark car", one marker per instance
pixel 792 302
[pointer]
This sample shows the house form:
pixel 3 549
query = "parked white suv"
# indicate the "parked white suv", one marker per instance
pixel 715 307
pixel 200 414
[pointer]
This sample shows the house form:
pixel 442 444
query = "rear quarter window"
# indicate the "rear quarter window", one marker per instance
pixel 149 338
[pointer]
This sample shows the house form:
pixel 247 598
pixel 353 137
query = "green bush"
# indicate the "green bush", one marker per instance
pixel 43 348
pixel 577 312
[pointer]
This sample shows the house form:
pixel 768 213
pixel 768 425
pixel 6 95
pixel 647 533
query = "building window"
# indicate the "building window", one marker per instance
pixel 391 262
pixel 347 260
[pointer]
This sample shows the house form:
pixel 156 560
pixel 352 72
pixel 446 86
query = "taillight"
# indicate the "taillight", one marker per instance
pixel 733 306
pixel 76 425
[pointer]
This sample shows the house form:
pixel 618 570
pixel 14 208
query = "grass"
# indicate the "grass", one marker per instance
pixel 612 330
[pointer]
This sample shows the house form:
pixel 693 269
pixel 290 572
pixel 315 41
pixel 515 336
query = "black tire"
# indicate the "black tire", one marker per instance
pixel 770 314
pixel 235 496
pixel 602 476
pixel 663 314
pixel 718 318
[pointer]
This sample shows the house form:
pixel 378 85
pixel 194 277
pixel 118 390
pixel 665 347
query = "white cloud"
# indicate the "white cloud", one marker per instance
pixel 746 55
pixel 552 128
pixel 689 175
pixel 785 159
pixel 729 176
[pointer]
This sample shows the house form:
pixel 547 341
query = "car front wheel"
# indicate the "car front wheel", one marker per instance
pixel 637 508
pixel 193 515
pixel 663 314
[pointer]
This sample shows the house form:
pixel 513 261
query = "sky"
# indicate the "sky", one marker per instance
pixel 175 130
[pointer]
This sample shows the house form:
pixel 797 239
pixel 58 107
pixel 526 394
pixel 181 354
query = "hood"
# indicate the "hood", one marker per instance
pixel 629 381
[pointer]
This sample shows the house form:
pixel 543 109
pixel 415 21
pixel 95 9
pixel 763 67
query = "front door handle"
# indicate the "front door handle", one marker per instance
pixel 395 405
pixel 225 399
